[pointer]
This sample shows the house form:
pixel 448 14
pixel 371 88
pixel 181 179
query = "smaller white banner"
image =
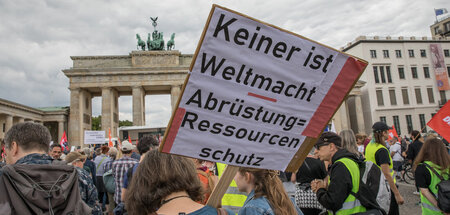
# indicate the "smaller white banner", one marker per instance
pixel 94 137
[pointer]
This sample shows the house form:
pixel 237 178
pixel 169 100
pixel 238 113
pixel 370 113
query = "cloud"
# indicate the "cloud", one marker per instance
pixel 37 38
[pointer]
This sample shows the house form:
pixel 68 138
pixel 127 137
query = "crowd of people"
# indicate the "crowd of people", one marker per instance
pixel 137 179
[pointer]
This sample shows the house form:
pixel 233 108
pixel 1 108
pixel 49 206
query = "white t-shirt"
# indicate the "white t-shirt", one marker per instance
pixel 397 148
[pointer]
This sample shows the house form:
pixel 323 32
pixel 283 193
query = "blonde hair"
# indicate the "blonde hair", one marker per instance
pixel 268 184
pixel 349 141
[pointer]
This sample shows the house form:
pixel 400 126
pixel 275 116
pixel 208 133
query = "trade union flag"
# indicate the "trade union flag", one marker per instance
pixel 392 133
pixel 441 121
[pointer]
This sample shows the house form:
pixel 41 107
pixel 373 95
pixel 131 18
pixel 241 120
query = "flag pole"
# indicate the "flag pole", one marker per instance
pixel 419 133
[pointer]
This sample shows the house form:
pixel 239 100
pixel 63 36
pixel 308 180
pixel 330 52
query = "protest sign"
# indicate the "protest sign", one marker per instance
pixel 94 137
pixel 256 93
pixel 441 121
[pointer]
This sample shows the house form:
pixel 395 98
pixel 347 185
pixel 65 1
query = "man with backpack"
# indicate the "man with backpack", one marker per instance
pixel 344 177
pixel 22 180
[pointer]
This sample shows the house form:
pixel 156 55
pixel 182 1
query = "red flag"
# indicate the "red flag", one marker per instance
pixel 63 141
pixel 392 133
pixel 441 121
pixel 129 139
pixel 110 143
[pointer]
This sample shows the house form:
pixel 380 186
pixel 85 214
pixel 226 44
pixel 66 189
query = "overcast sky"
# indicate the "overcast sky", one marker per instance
pixel 38 37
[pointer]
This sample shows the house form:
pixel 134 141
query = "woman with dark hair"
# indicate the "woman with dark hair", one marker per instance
pixel 166 184
pixel 432 156
pixel 266 194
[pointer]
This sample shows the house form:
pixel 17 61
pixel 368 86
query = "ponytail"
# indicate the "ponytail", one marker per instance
pixel 379 138
pixel 268 184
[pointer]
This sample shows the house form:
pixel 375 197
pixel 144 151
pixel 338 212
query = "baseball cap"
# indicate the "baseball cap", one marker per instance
pixel 74 156
pixel 380 127
pixel 327 138
pixel 127 146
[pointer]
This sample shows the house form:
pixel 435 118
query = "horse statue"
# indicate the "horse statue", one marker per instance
pixel 140 43
pixel 171 42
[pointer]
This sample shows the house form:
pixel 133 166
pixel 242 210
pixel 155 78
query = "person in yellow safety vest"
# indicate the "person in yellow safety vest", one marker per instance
pixel 233 198
pixel 377 152
pixel 344 178
pixel 432 155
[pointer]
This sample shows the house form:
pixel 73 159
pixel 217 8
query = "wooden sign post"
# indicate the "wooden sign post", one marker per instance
pixel 257 96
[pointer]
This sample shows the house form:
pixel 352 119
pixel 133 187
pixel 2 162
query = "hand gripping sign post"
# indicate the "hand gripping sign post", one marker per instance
pixel 257 95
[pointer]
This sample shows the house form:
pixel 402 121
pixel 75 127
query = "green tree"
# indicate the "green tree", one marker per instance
pixel 125 123
pixel 97 123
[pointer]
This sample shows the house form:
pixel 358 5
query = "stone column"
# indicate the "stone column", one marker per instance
pixel 359 114
pixel 20 120
pixel 345 122
pixel 8 122
pixel 75 118
pixel 110 115
pixel 138 106
pixel 174 94
pixel 60 129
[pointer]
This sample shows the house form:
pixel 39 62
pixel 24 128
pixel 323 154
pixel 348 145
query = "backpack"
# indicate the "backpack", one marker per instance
pixel 109 182
pixel 443 194
pixel 41 189
pixel 374 191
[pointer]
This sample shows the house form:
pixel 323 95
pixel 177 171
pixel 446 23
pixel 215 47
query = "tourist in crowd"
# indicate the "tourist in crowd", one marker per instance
pixel 146 144
pixel 166 184
pixel 112 154
pixel 99 171
pixel 349 142
pixel 305 198
pixel 265 193
pixel 88 190
pixel 89 165
pixel 377 152
pixel 120 167
pixel 336 195
pixel 56 151
pixel 396 154
pixel 360 138
pixel 432 156
pixel 414 149
pixel 206 177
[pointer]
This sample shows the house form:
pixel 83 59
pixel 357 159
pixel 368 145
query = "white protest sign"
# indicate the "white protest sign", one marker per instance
pixel 94 137
pixel 255 92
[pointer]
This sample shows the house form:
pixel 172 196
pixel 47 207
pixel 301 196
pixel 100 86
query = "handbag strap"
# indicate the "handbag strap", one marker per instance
pixel 435 172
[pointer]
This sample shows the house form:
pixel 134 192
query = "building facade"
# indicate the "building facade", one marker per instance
pixel 441 28
pixel 400 87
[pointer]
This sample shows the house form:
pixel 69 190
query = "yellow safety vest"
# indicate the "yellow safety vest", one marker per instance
pixel 427 207
pixel 351 204
pixel 233 198
pixel 372 149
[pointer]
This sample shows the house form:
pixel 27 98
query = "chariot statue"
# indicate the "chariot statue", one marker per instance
pixel 155 40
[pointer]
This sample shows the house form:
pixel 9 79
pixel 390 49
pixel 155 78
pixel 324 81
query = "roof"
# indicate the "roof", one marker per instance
pixel 49 109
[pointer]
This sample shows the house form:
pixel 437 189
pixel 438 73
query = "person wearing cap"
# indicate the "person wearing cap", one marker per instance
pixel 120 167
pixel 344 177
pixel 88 191
pixel 377 152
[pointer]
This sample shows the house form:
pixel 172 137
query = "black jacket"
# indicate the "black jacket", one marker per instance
pixel 413 150
pixel 340 182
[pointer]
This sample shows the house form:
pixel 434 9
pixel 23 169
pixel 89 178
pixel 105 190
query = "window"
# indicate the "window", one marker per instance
pixel 397 124
pixel 392 97
pixel 443 96
pixel 430 95
pixel 446 53
pixel 86 102
pixel 426 72
pixel 386 53
pixel 383 78
pixel 373 54
pixel 401 73
pixel 447 27
pixel 423 123
pixel 375 73
pixel 414 72
pixel 405 96
pixel 418 95
pixel 409 123
pixel 398 53
pixel 423 53
pixel 388 74
pixel 448 71
pixel 380 98
pixel 383 119
pixel 411 53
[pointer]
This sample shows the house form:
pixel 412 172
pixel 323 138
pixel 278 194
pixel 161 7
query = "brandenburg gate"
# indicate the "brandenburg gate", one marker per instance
pixel 138 74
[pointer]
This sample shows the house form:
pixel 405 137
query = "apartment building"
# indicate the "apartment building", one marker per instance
pixel 401 87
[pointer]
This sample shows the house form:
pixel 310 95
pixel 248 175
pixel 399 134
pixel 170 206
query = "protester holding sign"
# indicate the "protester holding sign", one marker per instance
pixel 266 194
pixel 166 184
pixel 432 156
pixel 377 152
pixel 344 176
